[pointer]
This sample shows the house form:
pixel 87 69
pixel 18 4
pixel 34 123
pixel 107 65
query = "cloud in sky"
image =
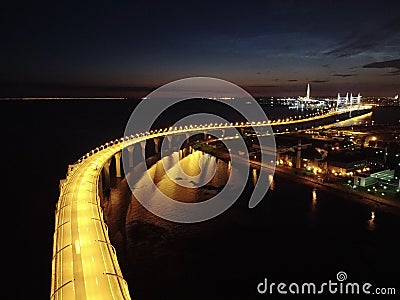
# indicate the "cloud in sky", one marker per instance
pixel 394 63
pixel 343 75
pixel 318 81
pixel 367 40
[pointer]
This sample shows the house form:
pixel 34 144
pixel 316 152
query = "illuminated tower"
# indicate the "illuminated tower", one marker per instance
pixel 308 92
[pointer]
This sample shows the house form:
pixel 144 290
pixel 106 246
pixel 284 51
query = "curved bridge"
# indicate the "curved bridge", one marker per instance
pixel 84 263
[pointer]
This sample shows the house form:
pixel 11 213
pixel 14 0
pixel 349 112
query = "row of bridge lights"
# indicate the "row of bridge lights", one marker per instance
pixel 168 129
pixel 296 118
pixel 180 128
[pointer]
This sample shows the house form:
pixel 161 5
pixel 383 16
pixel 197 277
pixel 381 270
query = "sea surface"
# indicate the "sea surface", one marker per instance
pixel 296 233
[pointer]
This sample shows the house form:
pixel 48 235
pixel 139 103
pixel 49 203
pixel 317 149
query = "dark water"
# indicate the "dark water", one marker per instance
pixel 282 238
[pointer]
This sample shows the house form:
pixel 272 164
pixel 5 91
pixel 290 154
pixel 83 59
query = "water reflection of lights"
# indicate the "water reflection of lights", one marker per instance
pixel 371 223
pixel 255 177
pixel 314 197
pixel 271 182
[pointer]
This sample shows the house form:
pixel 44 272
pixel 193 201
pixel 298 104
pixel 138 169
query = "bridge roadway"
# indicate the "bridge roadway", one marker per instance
pixel 84 263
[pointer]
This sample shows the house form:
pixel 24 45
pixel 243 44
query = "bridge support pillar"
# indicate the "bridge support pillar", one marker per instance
pixel 187 136
pixel 107 179
pixel 117 157
pixel 130 155
pixel 143 146
pixel 169 138
pixel 156 143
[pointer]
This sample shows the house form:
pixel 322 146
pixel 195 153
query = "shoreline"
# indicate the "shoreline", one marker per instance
pixel 389 206
pixel 377 203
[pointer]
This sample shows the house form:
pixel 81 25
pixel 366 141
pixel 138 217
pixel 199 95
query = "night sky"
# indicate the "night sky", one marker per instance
pixel 270 48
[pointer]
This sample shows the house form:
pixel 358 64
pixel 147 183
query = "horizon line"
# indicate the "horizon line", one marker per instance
pixel 141 98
